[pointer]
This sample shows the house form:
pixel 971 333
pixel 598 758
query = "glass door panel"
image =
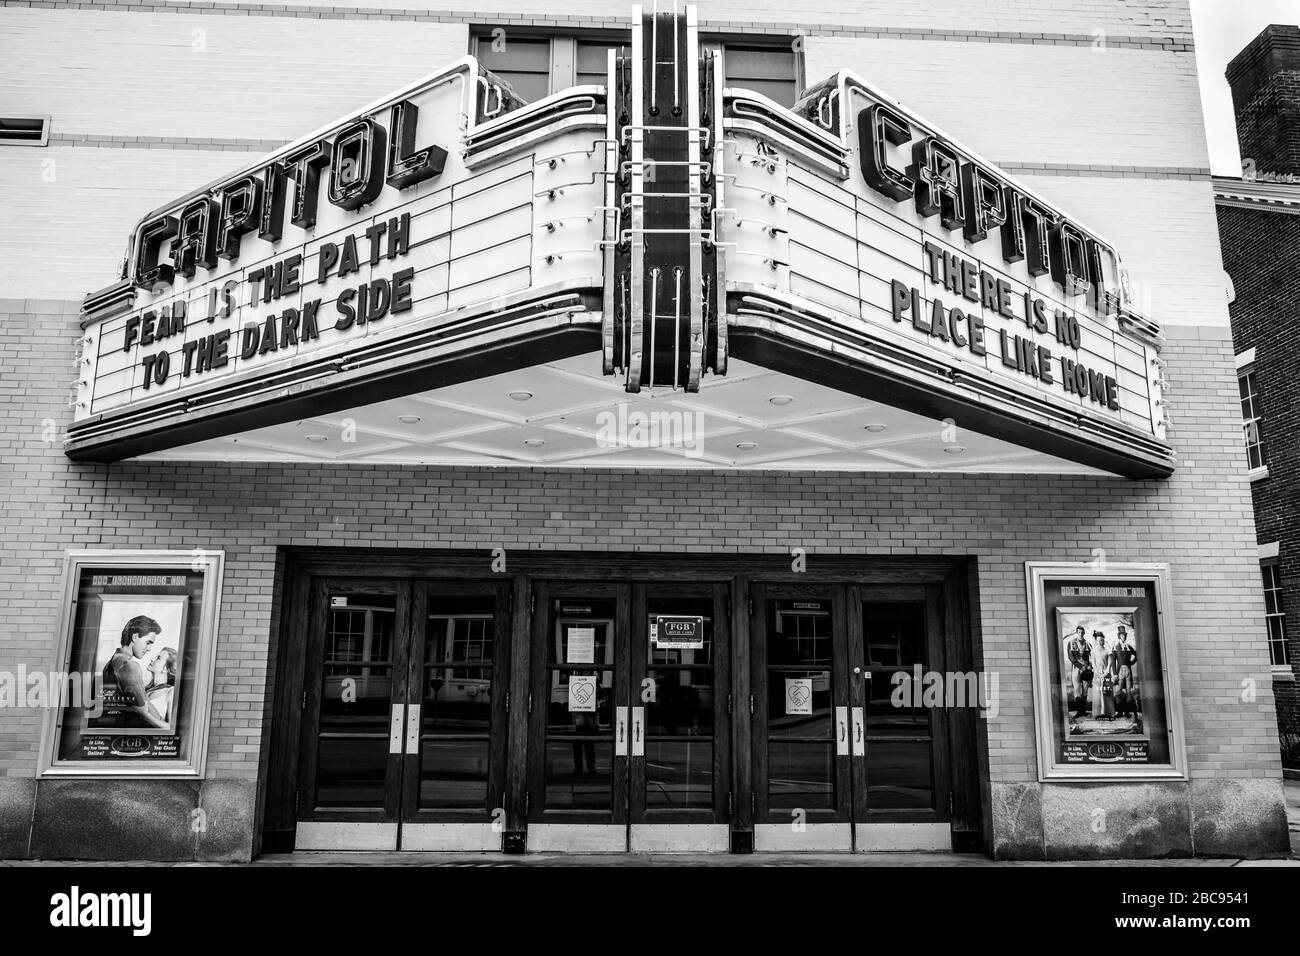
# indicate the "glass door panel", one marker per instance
pixel 403 733
pixel 901 777
pixel 356 697
pixel 679 661
pixel 579 663
pixel 456 760
pixel 627 720
pixel 902 704
pixel 353 715
pixel 801 719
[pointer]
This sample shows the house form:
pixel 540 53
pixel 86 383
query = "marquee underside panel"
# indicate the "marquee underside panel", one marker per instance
pixel 568 414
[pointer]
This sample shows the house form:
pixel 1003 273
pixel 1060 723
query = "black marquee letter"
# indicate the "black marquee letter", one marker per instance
pixel 406 167
pixel 149 272
pixel 986 201
pixel 241 209
pixel 1102 300
pixel 1069 258
pixel 304 167
pixel 196 242
pixel 271 226
pixel 937 170
pixel 356 177
pixel 1038 221
pixel 879 126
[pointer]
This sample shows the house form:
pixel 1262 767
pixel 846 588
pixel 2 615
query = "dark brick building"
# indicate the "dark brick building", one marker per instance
pixel 1259 227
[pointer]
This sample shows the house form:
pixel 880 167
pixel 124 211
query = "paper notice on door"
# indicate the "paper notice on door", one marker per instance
pixel 582 694
pixel 582 645
pixel 798 695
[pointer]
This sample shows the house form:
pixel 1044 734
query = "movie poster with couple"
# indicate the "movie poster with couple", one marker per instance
pixel 1101 674
pixel 137 659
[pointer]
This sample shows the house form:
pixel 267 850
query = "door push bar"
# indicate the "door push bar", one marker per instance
pixel 395 729
pixel 620 732
pixel 638 731
pixel 625 735
pixel 404 716
pixel 413 729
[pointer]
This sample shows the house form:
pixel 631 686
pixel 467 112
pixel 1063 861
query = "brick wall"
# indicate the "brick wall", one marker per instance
pixel 122 81
pixel 1261 252
pixel 1265 81
pixel 1139 177
pixel 1199 521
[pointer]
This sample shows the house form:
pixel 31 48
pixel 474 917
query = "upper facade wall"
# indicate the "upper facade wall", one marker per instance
pixel 1149 19
pixel 1090 98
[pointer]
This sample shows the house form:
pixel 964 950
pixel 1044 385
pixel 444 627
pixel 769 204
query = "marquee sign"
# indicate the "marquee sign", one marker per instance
pixel 662 221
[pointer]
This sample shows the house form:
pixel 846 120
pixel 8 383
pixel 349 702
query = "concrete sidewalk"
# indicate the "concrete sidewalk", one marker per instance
pixel 1292 788
pixel 462 860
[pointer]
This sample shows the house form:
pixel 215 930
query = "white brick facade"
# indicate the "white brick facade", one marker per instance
pixel 1106 124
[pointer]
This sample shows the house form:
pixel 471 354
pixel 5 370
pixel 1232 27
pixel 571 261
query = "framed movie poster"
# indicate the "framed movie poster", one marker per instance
pixel 138 629
pixel 137 657
pixel 1105 673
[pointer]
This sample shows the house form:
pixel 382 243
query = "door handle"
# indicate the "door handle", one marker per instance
pixel 413 729
pixel 841 731
pixel 858 750
pixel 395 730
pixel 620 723
pixel 638 737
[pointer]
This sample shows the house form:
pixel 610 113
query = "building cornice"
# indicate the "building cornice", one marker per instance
pixel 1255 194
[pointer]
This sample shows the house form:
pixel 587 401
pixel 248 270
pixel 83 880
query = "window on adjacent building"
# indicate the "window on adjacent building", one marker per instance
pixel 1274 613
pixel 1250 417
pixel 770 69
pixel 536 65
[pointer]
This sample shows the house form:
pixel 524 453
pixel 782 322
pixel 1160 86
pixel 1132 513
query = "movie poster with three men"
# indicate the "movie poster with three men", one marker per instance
pixel 1102 689
pixel 1101 651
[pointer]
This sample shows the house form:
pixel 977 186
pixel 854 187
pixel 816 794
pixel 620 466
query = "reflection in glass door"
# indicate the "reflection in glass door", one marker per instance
pixel 680 772
pixel 454 781
pixel 403 735
pixel 348 797
pixel 579 719
pixel 801 720
pixel 632 732
pixel 902 774
pixel 846 754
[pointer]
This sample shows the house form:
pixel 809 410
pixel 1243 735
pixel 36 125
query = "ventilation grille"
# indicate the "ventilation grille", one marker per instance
pixel 24 130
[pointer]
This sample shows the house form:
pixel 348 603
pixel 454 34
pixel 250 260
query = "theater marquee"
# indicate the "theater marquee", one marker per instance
pixel 663 224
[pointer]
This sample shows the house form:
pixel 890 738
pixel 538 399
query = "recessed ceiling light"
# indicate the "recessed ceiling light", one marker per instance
pixel 747 445
pixel 781 399
pixel 954 449
pixel 409 419
pixel 317 438
pixel 534 442
pixel 875 428
pixel 521 396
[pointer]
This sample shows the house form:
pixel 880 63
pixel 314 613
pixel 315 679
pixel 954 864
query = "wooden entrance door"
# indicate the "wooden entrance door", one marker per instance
pixel 403 727
pixel 629 732
pixel 849 751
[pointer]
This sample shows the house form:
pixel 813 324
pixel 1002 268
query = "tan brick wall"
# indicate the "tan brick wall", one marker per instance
pixel 1086 85
pixel 116 76
pixel 1199 521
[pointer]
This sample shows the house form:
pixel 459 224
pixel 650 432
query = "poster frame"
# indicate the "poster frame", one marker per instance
pixel 1039 575
pixel 209 563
